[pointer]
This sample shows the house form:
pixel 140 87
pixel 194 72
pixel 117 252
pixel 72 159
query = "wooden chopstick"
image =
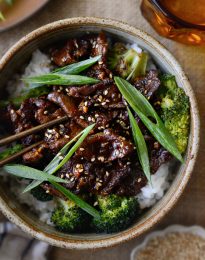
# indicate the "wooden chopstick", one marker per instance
pixel 32 130
pixel 16 155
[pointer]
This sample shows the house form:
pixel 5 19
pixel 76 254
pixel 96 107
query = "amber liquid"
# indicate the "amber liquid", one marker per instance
pixel 192 11
pixel 179 20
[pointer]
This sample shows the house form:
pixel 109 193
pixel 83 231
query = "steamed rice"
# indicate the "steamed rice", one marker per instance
pixel 149 195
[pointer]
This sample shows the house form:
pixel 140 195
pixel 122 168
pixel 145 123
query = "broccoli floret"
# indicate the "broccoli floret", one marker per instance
pixel 40 194
pixel 175 110
pixel 127 63
pixel 117 213
pixel 68 217
pixel 10 151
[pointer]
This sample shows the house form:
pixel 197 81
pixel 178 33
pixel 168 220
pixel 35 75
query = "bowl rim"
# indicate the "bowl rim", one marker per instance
pixel 134 231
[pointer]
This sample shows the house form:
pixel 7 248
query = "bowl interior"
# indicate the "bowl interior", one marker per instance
pixel 15 60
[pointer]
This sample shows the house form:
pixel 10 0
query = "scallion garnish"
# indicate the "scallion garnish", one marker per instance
pixel 59 79
pixel 141 146
pixel 76 68
pixel 145 111
pixel 27 172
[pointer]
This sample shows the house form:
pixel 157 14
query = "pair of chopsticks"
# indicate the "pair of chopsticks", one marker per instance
pixel 30 131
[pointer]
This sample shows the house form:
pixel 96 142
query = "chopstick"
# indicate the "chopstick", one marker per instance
pixel 32 130
pixel 16 155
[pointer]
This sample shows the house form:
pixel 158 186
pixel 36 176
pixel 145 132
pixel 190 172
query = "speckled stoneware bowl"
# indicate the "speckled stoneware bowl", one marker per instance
pixel 20 53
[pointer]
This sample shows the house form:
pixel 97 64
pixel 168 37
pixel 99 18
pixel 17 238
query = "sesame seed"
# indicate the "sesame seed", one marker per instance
pixel 107 173
pixel 62 176
pixel 85 109
pixel 93 120
pixel 47 191
pixel 81 117
pixel 95 203
pixel 103 103
pixel 86 103
pixel 67 136
pixel 72 179
pixel 96 115
pixel 80 170
pixel 67 175
pixel 89 118
pixel 61 126
pixel 81 149
pixel 100 98
pixel 78 165
pixel 110 75
pixel 61 132
pixel 93 159
pixel 101 158
pixel 139 180
pixel 105 92
pixel 45 112
pixel 100 62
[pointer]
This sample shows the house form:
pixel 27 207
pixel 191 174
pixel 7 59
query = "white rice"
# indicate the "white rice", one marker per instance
pixel 40 64
pixel 150 194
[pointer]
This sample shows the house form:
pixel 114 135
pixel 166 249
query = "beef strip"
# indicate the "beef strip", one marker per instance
pixel 58 136
pixel 105 147
pixel 71 52
pixel 65 102
pixel 149 84
pixel 87 90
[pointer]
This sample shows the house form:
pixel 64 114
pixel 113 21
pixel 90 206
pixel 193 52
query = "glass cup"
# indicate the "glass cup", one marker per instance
pixel 179 20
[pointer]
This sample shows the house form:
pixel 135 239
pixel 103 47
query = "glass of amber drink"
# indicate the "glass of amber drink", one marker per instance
pixel 179 20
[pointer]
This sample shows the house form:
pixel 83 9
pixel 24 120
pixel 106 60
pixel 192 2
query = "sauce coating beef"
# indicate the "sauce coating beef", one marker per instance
pixel 107 161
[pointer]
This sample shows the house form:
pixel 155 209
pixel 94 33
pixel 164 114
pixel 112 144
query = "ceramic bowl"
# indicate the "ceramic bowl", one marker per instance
pixel 20 53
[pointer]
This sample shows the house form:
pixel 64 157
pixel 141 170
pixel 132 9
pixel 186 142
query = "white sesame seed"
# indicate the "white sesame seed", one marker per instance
pixel 86 103
pixel 81 149
pixel 101 158
pixel 105 92
pixel 81 117
pixel 103 103
pixel 139 180
pixel 67 175
pixel 89 118
pixel 45 112
pixel 93 159
pixel 95 203
pixel 100 62
pixel 81 170
pixel 67 136
pixel 72 179
pixel 107 173
pixel 47 191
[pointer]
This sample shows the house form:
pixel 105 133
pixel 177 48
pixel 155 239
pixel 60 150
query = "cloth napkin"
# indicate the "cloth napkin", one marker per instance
pixel 16 245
